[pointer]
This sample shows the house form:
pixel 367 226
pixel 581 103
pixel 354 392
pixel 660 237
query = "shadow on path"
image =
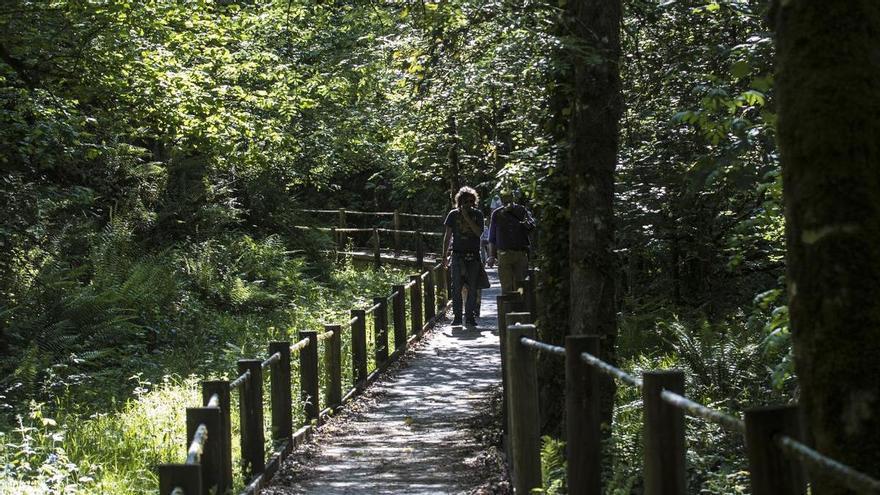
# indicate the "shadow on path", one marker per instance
pixel 407 434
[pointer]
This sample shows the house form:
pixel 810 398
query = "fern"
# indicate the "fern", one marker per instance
pixel 553 465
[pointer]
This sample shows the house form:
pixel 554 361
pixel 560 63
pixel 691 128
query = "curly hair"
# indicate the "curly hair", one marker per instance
pixel 466 191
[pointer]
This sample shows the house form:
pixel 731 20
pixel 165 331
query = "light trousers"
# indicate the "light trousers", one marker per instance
pixel 513 266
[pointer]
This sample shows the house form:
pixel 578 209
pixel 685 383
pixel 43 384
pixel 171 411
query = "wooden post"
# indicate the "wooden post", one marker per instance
pixel 664 447
pixel 359 348
pixel 380 327
pixel 430 299
pixel 186 476
pixel 529 295
pixel 420 251
pixel 282 402
pixel 501 305
pixel 377 253
pixel 515 302
pixel 211 460
pixel 221 389
pixel 333 365
pixel 583 439
pixel 398 316
pixel 447 283
pixel 415 298
pixel 396 232
pixel 308 375
pixel 517 318
pixel 253 456
pixel 342 238
pixel 772 473
pixel 525 431
pixel 440 287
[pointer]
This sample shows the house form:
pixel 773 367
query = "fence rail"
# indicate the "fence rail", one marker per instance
pixel 777 457
pixel 344 212
pixel 208 465
pixel 343 234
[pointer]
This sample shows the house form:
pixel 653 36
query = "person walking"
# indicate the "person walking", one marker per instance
pixel 463 230
pixel 509 227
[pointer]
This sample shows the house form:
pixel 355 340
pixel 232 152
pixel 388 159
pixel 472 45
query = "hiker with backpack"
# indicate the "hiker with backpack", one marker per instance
pixel 509 227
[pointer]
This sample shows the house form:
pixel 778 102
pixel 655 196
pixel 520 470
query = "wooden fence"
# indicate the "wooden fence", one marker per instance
pixel 208 465
pixel 427 231
pixel 776 455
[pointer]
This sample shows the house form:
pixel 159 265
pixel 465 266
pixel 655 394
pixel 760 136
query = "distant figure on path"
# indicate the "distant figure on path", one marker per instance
pixel 509 228
pixel 463 229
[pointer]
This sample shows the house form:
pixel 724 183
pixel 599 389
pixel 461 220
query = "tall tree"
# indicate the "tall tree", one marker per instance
pixel 593 140
pixel 828 68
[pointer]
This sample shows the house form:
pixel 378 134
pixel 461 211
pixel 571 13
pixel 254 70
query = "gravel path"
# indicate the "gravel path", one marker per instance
pixel 411 432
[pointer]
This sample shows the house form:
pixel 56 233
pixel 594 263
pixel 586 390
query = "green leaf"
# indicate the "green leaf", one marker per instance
pixel 753 97
pixel 762 84
pixel 740 69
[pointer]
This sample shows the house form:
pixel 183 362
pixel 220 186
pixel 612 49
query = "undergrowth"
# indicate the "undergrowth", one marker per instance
pixel 111 350
pixel 726 366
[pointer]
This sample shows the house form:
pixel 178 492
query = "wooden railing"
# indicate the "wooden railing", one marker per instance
pixel 776 455
pixel 208 465
pixel 415 238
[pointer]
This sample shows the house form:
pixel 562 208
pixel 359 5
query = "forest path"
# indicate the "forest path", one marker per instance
pixel 408 434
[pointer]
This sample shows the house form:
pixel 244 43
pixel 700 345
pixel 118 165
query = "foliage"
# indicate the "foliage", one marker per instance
pixel 725 370
pixel 699 190
pixel 553 466
pixel 112 440
pixel 154 156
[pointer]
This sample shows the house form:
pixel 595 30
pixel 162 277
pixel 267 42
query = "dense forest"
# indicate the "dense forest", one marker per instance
pixel 156 156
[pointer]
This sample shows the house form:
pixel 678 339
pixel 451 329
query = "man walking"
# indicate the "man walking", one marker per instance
pixel 509 228
pixel 463 228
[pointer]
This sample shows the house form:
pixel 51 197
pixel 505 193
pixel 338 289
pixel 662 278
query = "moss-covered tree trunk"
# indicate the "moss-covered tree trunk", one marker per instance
pixel 593 139
pixel 829 135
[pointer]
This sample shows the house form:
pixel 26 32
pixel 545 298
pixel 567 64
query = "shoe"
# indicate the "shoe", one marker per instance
pixel 472 322
pixel 456 322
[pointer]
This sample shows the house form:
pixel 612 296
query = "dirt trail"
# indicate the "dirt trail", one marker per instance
pixel 409 433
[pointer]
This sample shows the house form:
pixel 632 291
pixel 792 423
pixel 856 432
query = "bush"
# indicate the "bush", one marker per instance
pixel 724 369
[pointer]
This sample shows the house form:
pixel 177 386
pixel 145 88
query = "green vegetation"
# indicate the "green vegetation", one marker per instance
pixel 132 418
pixel 155 157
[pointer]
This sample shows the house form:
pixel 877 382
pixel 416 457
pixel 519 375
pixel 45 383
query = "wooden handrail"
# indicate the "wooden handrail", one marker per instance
pixel 777 457
pixel 375 213
pixel 209 461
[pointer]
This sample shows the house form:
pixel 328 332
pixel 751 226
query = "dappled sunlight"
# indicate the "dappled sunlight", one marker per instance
pixel 413 439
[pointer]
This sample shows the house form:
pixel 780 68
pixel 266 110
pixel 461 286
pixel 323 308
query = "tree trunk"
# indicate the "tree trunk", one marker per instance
pixel 454 166
pixel 593 139
pixel 829 130
pixel 553 277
